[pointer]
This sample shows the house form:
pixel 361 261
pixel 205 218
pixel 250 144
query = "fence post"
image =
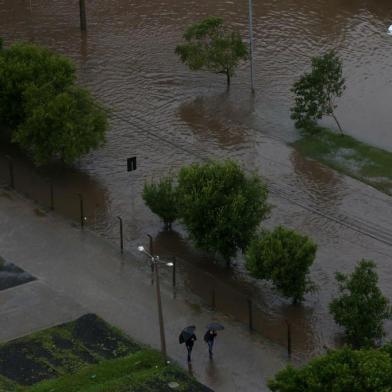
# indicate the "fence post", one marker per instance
pixel 81 210
pixel 250 310
pixel 174 271
pixel 288 339
pixel 11 171
pixel 151 253
pixel 121 235
pixel 213 299
pixel 51 196
pixel 82 9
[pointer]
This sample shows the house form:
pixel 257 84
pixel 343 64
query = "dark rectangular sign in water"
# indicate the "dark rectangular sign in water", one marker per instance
pixel 131 164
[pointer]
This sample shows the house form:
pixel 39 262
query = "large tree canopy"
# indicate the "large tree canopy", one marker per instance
pixel 62 126
pixel 211 46
pixel 25 65
pixel 41 108
pixel 344 370
pixel 221 206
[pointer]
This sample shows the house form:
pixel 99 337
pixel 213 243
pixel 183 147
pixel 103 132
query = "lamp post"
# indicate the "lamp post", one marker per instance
pixel 155 261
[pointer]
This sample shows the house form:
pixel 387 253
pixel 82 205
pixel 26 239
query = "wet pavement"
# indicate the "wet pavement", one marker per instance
pixel 89 272
pixel 32 307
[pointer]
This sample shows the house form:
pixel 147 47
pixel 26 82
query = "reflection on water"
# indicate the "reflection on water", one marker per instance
pixel 168 116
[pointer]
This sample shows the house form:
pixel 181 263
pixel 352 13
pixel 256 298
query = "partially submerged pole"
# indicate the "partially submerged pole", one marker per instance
pixel 252 76
pixel 83 21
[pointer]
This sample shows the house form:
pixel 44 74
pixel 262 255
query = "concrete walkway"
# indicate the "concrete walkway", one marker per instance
pixel 87 272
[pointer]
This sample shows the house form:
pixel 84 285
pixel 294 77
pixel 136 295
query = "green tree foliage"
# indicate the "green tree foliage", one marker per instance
pixel 361 307
pixel 284 257
pixel 41 108
pixel 316 92
pixel 62 126
pixel 211 46
pixel 25 65
pixel 161 198
pixel 221 206
pixel 344 370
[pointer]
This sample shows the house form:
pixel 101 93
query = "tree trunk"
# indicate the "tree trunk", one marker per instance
pixel 337 123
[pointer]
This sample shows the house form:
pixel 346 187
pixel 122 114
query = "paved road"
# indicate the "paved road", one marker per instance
pixel 86 272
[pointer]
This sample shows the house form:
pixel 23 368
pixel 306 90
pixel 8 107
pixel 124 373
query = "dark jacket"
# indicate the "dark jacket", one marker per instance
pixel 191 341
pixel 208 337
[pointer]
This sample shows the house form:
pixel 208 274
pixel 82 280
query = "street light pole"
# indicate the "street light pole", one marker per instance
pixel 155 263
pixel 250 14
pixel 160 313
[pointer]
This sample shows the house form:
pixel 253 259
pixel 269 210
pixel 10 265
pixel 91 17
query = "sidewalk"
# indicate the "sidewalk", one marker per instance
pixel 90 273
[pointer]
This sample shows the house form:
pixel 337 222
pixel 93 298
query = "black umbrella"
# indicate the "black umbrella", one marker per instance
pixel 186 333
pixel 215 327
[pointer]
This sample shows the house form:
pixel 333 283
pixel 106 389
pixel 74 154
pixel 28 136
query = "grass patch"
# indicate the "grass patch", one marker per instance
pixel 9 386
pixel 62 350
pixel 347 155
pixel 87 355
pixel 144 371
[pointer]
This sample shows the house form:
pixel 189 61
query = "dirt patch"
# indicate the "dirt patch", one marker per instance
pixel 63 349
pixel 11 275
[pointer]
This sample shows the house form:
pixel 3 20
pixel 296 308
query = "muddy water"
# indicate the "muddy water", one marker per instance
pixel 168 117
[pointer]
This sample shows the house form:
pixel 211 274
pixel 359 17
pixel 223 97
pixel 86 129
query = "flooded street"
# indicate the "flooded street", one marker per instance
pixel 167 116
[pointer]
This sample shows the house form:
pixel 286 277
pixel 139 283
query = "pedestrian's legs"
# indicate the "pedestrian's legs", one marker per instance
pixel 189 353
pixel 210 346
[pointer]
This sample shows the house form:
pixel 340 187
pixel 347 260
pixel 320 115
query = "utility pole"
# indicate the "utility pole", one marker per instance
pixel 82 9
pixel 250 14
pixel 160 314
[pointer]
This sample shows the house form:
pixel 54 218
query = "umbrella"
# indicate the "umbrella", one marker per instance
pixel 186 333
pixel 215 327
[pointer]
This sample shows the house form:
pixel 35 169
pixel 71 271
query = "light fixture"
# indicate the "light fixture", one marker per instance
pixel 140 248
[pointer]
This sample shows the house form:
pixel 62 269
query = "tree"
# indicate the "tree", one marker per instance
pixel 161 198
pixel 211 46
pixel 317 91
pixel 62 126
pixel 41 108
pixel 25 65
pixel 344 370
pixel 361 307
pixel 221 206
pixel 284 257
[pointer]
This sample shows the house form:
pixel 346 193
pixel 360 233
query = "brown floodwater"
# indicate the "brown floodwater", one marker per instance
pixel 168 116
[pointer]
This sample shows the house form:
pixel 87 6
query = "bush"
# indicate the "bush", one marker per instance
pixel 361 307
pixel 161 198
pixel 284 257
pixel 342 370
pixel 221 206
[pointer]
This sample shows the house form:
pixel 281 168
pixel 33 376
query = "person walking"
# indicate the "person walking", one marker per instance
pixel 189 345
pixel 209 338
pixel 188 337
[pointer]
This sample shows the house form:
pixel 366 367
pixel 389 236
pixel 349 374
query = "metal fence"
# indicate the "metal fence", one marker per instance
pixel 186 278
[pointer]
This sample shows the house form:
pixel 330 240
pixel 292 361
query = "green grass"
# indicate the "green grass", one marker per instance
pixel 347 155
pixel 143 371
pixel 87 355
pixel 7 385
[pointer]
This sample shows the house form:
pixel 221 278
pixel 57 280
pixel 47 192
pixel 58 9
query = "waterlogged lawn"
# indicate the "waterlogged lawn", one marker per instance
pixel 366 163
pixel 87 355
